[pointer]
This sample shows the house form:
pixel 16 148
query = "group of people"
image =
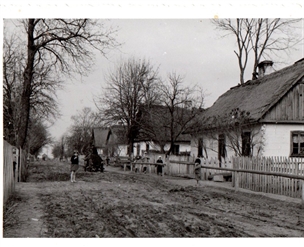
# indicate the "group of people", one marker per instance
pixel 93 159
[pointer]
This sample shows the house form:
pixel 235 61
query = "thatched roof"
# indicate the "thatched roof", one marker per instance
pixel 155 123
pixel 257 96
pixel 100 136
pixel 119 133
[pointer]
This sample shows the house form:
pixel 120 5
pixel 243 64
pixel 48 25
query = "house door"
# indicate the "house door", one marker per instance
pixel 221 148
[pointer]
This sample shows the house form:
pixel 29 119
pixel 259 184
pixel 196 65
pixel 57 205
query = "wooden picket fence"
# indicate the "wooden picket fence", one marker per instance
pixel 177 167
pixel 13 173
pixel 275 184
pixel 8 171
pixel 276 175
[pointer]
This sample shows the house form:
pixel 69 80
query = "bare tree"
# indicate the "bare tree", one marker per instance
pixel 59 148
pixel 183 105
pixel 262 37
pixel 12 86
pixel 56 47
pixel 80 136
pixel 241 133
pixel 132 84
pixel 38 136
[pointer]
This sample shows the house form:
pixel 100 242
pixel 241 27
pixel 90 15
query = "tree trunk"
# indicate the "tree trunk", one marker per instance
pixel 26 90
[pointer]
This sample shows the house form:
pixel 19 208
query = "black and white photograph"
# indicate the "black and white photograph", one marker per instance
pixel 153 120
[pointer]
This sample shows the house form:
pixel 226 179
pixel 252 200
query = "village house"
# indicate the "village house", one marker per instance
pixel 110 141
pixel 260 117
pixel 182 146
pixel 155 134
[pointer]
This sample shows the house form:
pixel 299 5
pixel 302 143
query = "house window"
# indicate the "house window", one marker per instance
pixel 175 150
pixel 138 149
pixel 297 143
pixel 246 150
pixel 147 147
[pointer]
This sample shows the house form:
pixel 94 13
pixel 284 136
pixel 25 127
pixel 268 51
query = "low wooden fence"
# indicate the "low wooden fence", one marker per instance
pixel 186 168
pixel 276 175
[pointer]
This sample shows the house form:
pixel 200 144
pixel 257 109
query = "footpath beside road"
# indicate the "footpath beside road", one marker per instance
pixel 28 212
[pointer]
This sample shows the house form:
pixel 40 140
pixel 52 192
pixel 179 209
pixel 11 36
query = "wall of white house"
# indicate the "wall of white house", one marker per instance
pixel 122 150
pixel 268 140
pixel 210 144
pixel 278 138
pixel 100 151
pixel 183 147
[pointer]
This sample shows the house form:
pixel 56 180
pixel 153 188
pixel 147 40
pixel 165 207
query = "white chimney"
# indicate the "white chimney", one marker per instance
pixel 265 68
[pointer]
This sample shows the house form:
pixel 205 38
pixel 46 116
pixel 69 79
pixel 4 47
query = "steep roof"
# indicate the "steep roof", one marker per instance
pixel 155 123
pixel 257 96
pixel 119 134
pixel 100 136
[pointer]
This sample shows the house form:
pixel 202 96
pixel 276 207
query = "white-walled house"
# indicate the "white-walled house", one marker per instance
pixel 182 146
pixel 260 117
pixel 110 141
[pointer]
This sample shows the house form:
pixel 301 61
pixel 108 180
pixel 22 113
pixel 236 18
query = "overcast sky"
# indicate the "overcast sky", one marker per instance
pixel 189 47
pixel 192 48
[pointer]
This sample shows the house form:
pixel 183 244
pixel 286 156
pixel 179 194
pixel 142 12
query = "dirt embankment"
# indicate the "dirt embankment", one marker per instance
pixel 125 204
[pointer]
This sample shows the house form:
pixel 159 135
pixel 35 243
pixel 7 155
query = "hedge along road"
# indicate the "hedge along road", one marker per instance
pixel 127 204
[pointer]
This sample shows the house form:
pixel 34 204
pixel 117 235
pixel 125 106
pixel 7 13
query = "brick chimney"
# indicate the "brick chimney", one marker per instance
pixel 265 68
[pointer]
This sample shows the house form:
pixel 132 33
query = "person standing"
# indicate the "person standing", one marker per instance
pixel 74 166
pixel 197 170
pixel 159 168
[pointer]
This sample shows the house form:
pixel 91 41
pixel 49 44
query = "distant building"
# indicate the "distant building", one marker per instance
pixel 110 141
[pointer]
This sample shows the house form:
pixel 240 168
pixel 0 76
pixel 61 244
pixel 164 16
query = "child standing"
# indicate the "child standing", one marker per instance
pixel 74 166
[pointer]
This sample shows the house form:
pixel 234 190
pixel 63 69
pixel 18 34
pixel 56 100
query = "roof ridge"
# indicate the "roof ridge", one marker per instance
pixel 271 75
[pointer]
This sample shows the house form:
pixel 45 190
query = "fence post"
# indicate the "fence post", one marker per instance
pixel 236 180
pixel 233 173
pixel 204 171
pixel 236 174
pixel 168 165
pixel 19 164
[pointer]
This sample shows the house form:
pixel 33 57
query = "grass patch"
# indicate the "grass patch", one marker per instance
pixel 10 218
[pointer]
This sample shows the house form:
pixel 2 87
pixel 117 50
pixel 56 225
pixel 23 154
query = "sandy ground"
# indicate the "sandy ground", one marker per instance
pixel 117 204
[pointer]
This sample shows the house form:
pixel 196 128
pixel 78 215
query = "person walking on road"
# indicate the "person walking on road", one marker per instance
pixel 197 170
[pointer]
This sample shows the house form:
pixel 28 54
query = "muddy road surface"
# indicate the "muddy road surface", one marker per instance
pixel 117 204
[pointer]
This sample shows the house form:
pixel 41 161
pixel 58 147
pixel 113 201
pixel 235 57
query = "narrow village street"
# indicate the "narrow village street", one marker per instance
pixel 120 203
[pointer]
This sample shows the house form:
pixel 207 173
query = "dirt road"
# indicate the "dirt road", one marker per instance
pixel 124 204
